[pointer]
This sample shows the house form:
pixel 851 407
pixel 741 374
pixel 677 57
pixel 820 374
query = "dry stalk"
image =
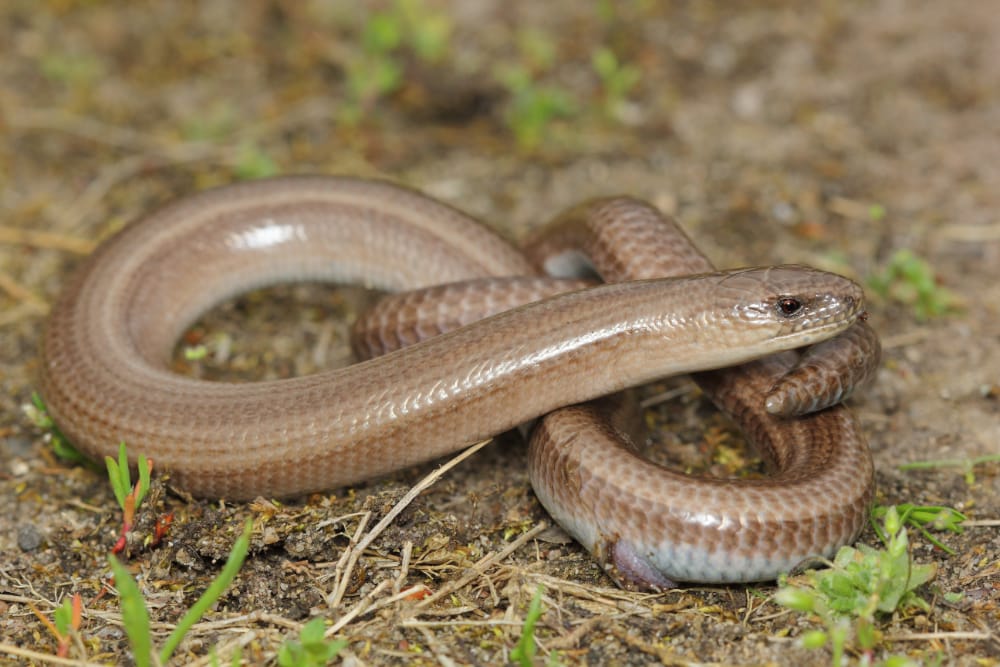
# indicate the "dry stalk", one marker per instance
pixel 354 553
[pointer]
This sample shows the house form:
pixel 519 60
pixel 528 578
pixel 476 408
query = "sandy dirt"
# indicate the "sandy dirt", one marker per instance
pixel 836 137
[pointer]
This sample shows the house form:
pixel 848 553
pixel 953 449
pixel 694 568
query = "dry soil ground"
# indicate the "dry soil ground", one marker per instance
pixel 836 135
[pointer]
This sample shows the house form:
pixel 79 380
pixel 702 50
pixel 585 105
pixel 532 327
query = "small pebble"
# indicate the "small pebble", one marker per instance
pixel 28 537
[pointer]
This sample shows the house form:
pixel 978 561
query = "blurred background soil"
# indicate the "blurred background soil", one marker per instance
pixel 859 137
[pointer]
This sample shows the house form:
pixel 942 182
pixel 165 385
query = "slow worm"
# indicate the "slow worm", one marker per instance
pixel 105 378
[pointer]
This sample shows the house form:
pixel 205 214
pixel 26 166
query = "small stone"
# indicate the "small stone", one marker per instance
pixel 28 537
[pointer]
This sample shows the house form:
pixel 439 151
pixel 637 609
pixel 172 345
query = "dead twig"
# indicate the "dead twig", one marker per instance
pixel 340 588
pixel 482 565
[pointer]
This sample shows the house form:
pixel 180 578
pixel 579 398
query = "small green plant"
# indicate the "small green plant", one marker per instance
pixel 129 497
pixel 38 414
pixel 67 619
pixel 861 584
pixel 375 71
pixel 617 79
pixel 311 649
pixel 253 162
pixel 136 618
pixel 910 280
pixel 377 68
pixel 525 650
pixel 533 106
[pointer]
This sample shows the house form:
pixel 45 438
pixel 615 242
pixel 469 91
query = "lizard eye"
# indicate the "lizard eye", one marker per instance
pixel 788 306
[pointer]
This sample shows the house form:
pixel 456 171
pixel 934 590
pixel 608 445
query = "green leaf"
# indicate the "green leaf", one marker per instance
pixel 312 632
pixel 525 650
pixel 891 521
pixel 291 654
pixel 144 468
pixel 39 416
pixel 617 78
pixel 134 614
pixel 63 616
pixel 330 649
pixel 798 599
pixel 311 648
pixel 813 639
pixel 118 474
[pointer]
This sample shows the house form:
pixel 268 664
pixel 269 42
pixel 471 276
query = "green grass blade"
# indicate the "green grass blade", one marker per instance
pixel 143 480
pixel 211 594
pixel 526 648
pixel 115 476
pixel 134 614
